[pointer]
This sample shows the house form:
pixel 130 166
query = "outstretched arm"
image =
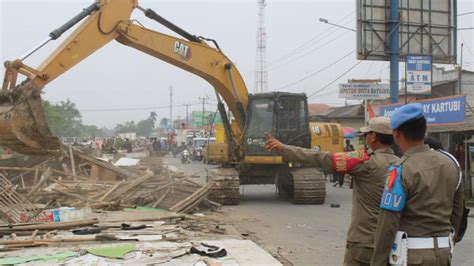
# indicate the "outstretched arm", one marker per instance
pixel 300 155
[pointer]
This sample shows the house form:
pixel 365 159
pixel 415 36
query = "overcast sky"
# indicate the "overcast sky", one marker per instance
pixel 120 77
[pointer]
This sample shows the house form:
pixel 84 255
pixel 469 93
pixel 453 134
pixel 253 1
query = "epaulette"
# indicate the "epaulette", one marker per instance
pixel 402 160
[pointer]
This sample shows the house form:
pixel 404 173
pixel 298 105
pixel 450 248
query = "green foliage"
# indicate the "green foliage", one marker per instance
pixel 143 128
pixel 64 119
pixel 164 122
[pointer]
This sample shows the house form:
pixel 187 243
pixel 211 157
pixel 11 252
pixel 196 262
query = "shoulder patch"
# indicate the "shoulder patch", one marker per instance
pixel 393 197
pixel 343 162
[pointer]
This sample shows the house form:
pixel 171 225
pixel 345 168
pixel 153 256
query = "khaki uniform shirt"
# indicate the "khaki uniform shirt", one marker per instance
pixel 433 204
pixel 368 181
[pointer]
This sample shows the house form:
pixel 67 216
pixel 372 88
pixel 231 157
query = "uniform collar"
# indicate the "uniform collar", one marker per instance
pixel 384 150
pixel 416 149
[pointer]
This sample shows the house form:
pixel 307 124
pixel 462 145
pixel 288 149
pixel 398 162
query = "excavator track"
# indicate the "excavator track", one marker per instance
pixel 308 186
pixel 225 186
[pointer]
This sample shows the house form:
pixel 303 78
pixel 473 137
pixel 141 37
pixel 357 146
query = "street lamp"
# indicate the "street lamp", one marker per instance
pixel 323 20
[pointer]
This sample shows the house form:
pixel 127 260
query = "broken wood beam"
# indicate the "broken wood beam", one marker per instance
pixel 161 198
pixel 48 225
pixel 110 191
pixel 44 177
pixel 192 200
pixel 124 189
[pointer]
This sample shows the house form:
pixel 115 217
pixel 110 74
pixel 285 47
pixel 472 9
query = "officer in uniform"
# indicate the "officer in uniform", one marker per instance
pixel 419 200
pixel 367 169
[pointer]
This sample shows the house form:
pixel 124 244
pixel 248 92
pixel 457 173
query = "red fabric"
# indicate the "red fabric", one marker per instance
pixel 393 176
pixel 344 162
pixel 370 111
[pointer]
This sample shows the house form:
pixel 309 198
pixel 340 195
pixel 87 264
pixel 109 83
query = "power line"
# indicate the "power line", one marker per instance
pixel 336 79
pixel 134 109
pixel 348 70
pixel 467 13
pixel 317 72
pixel 464 42
pixel 307 53
pixel 318 37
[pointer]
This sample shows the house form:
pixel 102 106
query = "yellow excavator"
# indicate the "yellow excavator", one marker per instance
pixel 23 127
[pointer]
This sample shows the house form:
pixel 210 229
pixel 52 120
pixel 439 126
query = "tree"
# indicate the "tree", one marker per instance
pixel 64 119
pixel 145 127
pixel 127 127
pixel 164 122
pixel 153 117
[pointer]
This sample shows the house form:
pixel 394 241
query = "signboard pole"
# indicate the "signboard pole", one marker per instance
pixel 394 53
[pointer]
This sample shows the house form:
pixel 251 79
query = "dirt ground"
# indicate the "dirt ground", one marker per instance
pixel 300 234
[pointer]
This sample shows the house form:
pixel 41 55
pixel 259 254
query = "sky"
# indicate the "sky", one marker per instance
pixel 118 77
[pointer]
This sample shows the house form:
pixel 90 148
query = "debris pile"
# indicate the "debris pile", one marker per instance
pixel 136 237
pixel 77 180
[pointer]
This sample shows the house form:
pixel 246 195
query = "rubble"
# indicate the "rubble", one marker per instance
pixel 78 180
pixel 74 209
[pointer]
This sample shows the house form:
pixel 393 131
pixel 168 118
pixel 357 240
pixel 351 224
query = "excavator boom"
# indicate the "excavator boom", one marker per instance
pixel 23 127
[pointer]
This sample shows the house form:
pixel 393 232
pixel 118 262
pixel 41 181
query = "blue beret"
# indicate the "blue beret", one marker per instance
pixel 406 113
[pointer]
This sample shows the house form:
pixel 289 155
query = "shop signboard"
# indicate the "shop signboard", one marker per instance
pixel 364 91
pixel 438 111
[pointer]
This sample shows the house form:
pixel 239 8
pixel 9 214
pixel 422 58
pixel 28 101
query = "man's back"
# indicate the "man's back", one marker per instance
pixel 430 179
pixel 368 182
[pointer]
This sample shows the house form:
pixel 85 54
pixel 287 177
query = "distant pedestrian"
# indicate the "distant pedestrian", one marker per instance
pixel 460 155
pixel 367 169
pixel 128 146
pixel 349 146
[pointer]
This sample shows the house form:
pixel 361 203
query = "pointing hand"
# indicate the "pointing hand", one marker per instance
pixel 272 143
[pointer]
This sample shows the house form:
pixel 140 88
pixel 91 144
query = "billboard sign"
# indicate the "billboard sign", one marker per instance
pixel 427 27
pixel 438 111
pixel 418 74
pixel 364 91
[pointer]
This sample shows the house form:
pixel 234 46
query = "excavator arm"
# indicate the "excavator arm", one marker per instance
pixel 22 123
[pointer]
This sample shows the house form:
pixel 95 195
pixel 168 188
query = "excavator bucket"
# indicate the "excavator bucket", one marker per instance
pixel 23 126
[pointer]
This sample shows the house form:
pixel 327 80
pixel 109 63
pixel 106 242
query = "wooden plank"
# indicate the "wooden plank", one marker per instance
pixel 50 225
pixel 70 195
pixel 110 191
pixel 71 157
pixel 196 201
pixel 103 164
pixel 161 198
pixel 191 199
pixel 44 177
pixel 122 190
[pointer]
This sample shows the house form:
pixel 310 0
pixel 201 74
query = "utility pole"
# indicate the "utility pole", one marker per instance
pixel 460 72
pixel 204 101
pixel 261 72
pixel 187 106
pixel 394 47
pixel 171 106
pixel 178 117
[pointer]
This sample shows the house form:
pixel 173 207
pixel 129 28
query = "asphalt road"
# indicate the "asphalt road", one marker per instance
pixel 302 234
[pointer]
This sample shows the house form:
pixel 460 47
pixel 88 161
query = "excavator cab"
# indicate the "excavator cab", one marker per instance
pixel 281 114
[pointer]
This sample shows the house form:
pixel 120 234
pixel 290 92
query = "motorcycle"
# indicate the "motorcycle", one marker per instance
pixel 198 155
pixel 185 157
pixel 174 151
